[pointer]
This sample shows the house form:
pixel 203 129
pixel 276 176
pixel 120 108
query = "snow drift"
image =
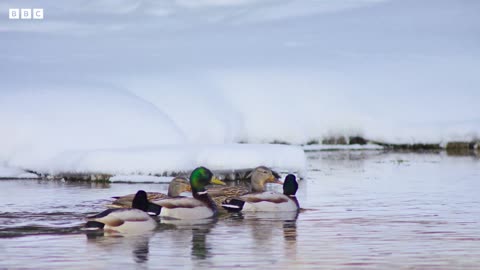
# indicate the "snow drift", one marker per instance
pixel 109 78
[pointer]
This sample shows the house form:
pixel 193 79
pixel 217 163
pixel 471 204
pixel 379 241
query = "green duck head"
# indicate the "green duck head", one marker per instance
pixel 201 177
pixel 290 185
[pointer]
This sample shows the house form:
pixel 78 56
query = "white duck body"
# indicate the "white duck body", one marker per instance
pixel 184 208
pixel 268 202
pixel 125 221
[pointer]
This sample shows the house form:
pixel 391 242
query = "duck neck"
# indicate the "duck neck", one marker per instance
pixel 294 199
pixel 173 192
pixel 258 186
pixel 205 198
pixel 140 204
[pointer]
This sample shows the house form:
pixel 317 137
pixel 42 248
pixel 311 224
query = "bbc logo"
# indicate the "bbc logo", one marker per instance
pixel 25 13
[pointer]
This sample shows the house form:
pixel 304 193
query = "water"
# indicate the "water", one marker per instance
pixel 363 210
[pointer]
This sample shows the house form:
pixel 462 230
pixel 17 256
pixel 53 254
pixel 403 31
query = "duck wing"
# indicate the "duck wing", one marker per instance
pixel 221 194
pixel 126 201
pixel 184 202
pixel 235 191
pixel 272 197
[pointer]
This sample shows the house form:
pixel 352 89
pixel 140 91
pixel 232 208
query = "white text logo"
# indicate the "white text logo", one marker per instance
pixel 25 13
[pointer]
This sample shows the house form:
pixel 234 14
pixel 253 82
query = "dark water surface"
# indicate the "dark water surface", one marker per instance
pixel 365 210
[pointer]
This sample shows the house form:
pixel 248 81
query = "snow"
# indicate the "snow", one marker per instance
pixel 101 130
pixel 140 179
pixel 6 172
pixel 39 124
pixel 177 158
pixel 151 87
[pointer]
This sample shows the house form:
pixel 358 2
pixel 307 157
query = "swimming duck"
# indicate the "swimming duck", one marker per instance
pixel 126 220
pixel 200 206
pixel 267 201
pixel 177 186
pixel 259 177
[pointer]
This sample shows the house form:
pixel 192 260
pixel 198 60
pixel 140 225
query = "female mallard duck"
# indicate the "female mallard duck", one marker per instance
pixel 259 177
pixel 200 206
pixel 267 201
pixel 127 220
pixel 177 186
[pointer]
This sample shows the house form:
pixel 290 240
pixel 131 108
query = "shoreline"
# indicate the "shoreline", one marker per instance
pixel 461 149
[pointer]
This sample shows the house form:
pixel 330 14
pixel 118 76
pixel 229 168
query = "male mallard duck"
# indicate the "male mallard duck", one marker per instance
pixel 200 206
pixel 175 188
pixel 267 201
pixel 127 220
pixel 259 177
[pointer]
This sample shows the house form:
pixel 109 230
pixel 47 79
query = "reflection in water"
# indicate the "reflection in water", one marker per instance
pixel 140 251
pixel 290 229
pixel 290 237
pixel 266 227
pixel 200 249
pixel 138 244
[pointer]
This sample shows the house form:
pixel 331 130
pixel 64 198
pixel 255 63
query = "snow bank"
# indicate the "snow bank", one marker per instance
pixel 101 130
pixel 170 78
pixel 177 158
pixel 15 173
pixel 204 114
pixel 38 124
pixel 140 179
pixel 299 105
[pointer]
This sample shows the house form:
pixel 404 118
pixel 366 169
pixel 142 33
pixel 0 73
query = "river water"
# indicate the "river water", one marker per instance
pixel 362 210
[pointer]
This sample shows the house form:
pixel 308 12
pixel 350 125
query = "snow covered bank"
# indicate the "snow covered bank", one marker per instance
pixel 157 78
pixel 166 160
pixel 128 178
pixel 324 147
pixel 289 71
pixel 110 131
pixel 16 173
pixel 37 124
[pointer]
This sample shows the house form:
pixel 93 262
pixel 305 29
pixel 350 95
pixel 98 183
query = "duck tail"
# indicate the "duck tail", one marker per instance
pixel 233 205
pixel 154 209
pixel 102 214
pixel 94 225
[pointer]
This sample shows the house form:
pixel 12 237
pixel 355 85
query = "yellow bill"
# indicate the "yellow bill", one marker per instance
pixel 217 181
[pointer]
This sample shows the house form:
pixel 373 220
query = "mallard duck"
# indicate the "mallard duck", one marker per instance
pixel 178 185
pixel 259 177
pixel 127 220
pixel 200 206
pixel 267 201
